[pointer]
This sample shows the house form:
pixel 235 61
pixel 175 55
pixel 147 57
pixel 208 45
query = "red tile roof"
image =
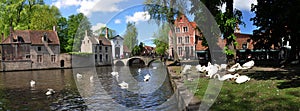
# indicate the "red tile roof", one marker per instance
pixel 105 41
pixel 34 37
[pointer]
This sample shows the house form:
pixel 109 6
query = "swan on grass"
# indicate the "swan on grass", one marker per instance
pixel 235 67
pixel 123 85
pixel 225 77
pixel 241 79
pixel 50 92
pixel 186 67
pixel 147 78
pixel 32 83
pixel 212 70
pixel 248 64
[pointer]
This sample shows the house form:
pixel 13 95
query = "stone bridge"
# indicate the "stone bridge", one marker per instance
pixel 129 61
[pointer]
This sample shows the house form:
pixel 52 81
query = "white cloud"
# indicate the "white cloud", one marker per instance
pixel 117 21
pixel 88 6
pixel 244 4
pixel 98 26
pixel 138 16
pixel 240 4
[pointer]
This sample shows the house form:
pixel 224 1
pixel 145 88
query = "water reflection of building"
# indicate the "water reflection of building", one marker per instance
pixel 30 49
pixel 100 47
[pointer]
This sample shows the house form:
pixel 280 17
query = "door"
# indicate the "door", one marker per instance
pixel 117 52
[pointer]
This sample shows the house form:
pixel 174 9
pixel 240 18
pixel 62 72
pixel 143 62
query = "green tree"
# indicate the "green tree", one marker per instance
pixel 102 32
pixel 162 39
pixel 62 31
pixel 44 17
pixel 77 25
pixel 130 37
pixel 276 20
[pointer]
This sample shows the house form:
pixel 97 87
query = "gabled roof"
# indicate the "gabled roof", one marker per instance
pixel 34 37
pixel 118 37
pixel 104 40
pixel 93 40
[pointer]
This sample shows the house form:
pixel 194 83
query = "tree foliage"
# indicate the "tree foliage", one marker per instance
pixel 102 32
pixel 277 19
pixel 27 15
pixel 130 37
pixel 162 39
pixel 77 25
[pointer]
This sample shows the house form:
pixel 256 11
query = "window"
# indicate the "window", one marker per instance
pixel 53 57
pixel 27 56
pixel 177 30
pixel 39 48
pixel 180 50
pixel 106 57
pixel 192 51
pixel 185 29
pixel 179 40
pixel 95 57
pixel 100 49
pixel 100 57
pixel 106 49
pixel 39 58
pixel 187 39
pixel 88 41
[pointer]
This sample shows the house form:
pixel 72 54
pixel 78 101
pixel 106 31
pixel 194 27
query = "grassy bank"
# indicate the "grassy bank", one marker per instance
pixel 267 90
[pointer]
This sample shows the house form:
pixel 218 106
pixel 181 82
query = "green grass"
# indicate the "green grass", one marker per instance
pixel 257 94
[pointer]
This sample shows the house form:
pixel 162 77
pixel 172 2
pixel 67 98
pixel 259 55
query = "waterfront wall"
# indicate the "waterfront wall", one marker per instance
pixel 62 61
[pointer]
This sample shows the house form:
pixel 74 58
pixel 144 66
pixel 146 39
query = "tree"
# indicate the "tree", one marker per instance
pixel 102 32
pixel 77 25
pixel 44 17
pixel 162 39
pixel 276 20
pixel 226 21
pixel 62 31
pixel 130 37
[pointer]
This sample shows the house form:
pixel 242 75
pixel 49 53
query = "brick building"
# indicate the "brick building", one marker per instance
pixel 30 49
pixel 186 34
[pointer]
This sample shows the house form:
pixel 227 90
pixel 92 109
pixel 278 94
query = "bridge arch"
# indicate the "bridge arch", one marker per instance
pixel 138 60
pixel 120 63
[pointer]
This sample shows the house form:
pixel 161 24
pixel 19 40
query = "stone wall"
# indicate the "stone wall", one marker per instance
pixel 15 65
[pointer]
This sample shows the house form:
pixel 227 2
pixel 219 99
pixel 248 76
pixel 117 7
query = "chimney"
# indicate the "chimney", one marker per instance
pixel 86 33
pixel 106 32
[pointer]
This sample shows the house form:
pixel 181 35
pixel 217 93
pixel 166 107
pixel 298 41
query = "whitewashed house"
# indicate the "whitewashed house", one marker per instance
pixel 100 47
pixel 119 49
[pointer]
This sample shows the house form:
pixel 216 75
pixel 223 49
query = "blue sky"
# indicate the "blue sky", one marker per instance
pixel 116 13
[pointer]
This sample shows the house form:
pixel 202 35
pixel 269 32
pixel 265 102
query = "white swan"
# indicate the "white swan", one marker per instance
pixel 154 67
pixel 241 79
pixel 92 79
pixel 50 92
pixel 79 76
pixel 123 85
pixel 248 64
pixel 223 67
pixel 32 83
pixel 200 68
pixel 212 70
pixel 235 67
pixel 139 70
pixel 115 74
pixel 225 77
pixel 147 78
pixel 186 67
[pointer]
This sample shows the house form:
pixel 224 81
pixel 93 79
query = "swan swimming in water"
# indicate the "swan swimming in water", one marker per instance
pixel 147 78
pixel 79 76
pixel 139 70
pixel 123 85
pixel 50 92
pixel 32 83
pixel 92 79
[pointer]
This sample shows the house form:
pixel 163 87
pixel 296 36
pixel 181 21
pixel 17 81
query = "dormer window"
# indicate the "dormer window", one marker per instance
pixel 100 42
pixel 45 38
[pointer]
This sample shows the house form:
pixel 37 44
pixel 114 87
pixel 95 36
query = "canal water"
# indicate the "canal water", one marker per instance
pixel 96 89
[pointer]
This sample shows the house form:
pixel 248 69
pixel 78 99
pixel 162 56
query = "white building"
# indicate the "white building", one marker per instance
pixel 119 49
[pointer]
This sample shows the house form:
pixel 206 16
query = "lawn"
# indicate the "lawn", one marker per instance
pixel 267 90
